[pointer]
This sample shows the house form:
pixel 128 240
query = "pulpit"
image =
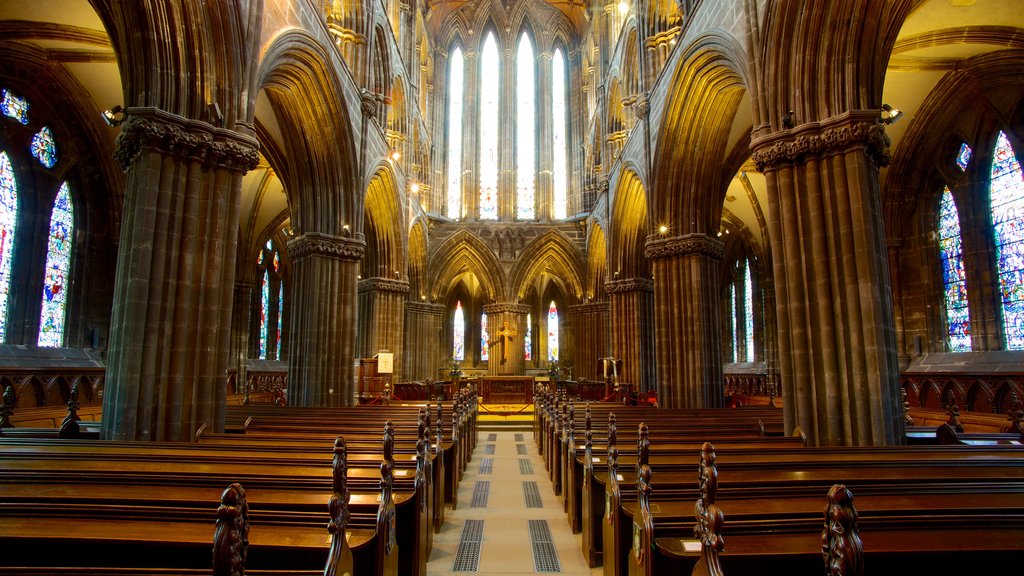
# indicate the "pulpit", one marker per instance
pixel 506 389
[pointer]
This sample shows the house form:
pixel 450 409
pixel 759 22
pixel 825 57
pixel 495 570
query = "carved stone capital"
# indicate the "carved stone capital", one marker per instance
pixel 424 308
pixel 384 285
pixel 370 102
pixel 658 248
pixel 171 135
pixel 642 106
pixel 629 285
pixel 326 246
pixel 819 139
pixel 506 308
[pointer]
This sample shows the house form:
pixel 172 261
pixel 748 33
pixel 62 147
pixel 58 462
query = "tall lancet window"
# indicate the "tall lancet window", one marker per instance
pixel 490 92
pixel 456 67
pixel 459 330
pixel 484 338
pixel 748 311
pixel 958 321
pixel 8 221
pixel 732 323
pixel 1006 197
pixel 280 302
pixel 526 133
pixel 559 129
pixel 264 314
pixel 528 341
pixel 58 269
pixel 553 332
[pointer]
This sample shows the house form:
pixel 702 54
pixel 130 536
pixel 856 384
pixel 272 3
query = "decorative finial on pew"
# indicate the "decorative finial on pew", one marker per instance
pixel 386 511
pixel 7 408
pixel 231 538
pixel 907 419
pixel 69 427
pixel 709 517
pixel 643 446
pixel 613 449
pixel 840 541
pixel 337 506
pixel 1015 414
pixel 949 405
pixel 771 396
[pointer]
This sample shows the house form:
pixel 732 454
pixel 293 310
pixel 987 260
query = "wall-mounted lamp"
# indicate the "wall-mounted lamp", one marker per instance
pixel 395 155
pixel 623 7
pixel 662 229
pixel 345 231
pixel 415 188
pixel 890 114
pixel 115 116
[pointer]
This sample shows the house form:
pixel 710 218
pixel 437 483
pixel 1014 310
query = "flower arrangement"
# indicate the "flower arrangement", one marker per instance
pixel 454 368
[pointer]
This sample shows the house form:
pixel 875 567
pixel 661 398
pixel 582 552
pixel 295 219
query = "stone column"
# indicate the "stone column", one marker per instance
pixel 591 321
pixel 423 337
pixel 632 328
pixel 837 346
pixel 688 328
pixel 240 321
pixel 170 328
pixel 382 319
pixel 497 316
pixel 322 319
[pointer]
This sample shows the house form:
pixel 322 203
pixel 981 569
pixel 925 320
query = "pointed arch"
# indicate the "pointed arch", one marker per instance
pixel 465 252
pixel 555 254
pixel 629 228
pixel 597 263
pixel 417 261
pixel 383 226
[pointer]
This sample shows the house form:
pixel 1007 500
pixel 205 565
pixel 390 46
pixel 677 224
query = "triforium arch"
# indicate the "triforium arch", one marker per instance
pixel 464 252
pixel 383 281
pixel 629 286
pixel 306 88
pixel 820 144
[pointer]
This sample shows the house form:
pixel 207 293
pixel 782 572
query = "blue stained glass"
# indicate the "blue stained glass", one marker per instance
pixel 8 222
pixel 528 342
pixel 459 329
pixel 732 323
pixel 484 338
pixel 560 172
pixel 277 262
pixel 1006 193
pixel 14 106
pixel 526 104
pixel 958 321
pixel 748 311
pixel 963 157
pixel 280 315
pixel 58 269
pixel 44 148
pixel 264 314
pixel 455 89
pixel 490 93
pixel 553 332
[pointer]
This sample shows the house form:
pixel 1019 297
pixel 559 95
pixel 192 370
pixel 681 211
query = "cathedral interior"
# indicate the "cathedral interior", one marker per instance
pixel 821 198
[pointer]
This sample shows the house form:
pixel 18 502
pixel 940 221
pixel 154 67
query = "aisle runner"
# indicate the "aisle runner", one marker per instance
pixel 514 524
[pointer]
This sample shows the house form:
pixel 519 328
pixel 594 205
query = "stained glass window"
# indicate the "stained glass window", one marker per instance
pixel 526 104
pixel 58 269
pixel 748 311
pixel 455 87
pixel 963 157
pixel 44 148
pixel 1006 197
pixel 490 91
pixel 484 338
pixel 459 329
pixel 14 106
pixel 8 221
pixel 528 342
pixel 958 322
pixel 553 332
pixel 277 262
pixel 732 322
pixel 280 312
pixel 264 314
pixel 560 130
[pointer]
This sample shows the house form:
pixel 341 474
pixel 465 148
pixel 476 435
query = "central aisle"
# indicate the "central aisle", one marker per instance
pixel 509 520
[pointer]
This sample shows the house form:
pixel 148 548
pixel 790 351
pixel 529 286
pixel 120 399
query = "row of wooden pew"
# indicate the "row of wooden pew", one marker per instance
pixel 935 509
pixel 140 507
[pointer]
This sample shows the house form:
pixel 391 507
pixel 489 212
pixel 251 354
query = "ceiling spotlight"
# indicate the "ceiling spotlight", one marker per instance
pixel 115 116
pixel 890 114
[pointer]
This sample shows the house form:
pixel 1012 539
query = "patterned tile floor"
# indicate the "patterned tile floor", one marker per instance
pixel 509 541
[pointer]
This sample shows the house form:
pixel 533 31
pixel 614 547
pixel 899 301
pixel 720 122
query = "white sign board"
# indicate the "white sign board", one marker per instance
pixel 385 362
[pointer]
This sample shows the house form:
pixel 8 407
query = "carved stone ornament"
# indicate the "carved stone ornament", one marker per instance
pixel 383 285
pixel 658 248
pixel 369 103
pixel 642 106
pixel 603 307
pixel 425 308
pixel 171 135
pixel 326 246
pixel 821 139
pixel 506 308
pixel 629 285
